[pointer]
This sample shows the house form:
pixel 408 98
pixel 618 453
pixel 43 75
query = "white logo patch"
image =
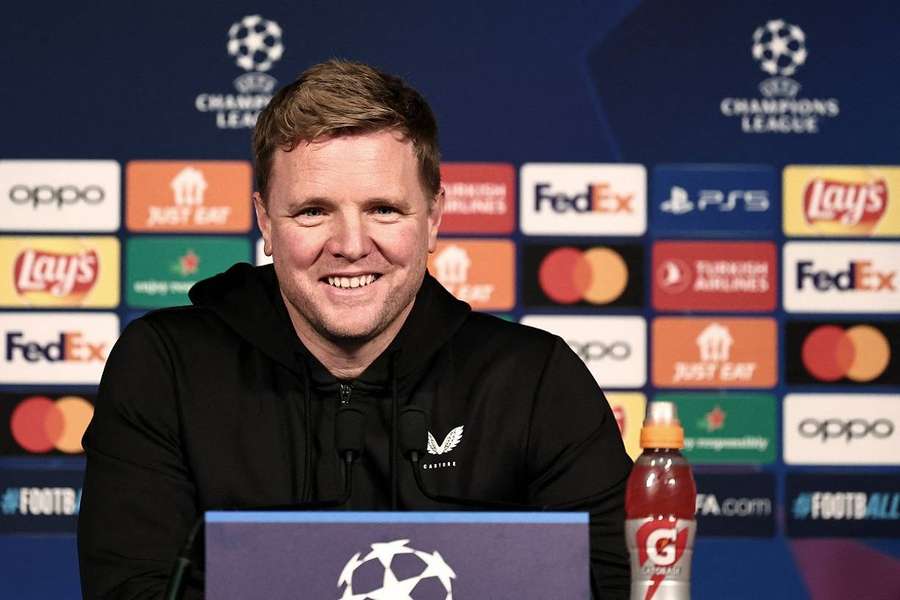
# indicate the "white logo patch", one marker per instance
pixel 450 442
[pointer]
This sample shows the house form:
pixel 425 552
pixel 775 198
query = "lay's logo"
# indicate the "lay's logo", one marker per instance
pixel 845 203
pixel 841 201
pixel 56 272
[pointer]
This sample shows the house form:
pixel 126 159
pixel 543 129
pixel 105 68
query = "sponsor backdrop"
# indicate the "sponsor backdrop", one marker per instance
pixel 699 198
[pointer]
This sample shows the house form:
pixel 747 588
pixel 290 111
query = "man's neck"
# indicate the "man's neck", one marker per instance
pixel 345 360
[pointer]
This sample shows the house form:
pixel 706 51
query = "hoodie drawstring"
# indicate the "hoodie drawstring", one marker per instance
pixel 307 437
pixel 395 417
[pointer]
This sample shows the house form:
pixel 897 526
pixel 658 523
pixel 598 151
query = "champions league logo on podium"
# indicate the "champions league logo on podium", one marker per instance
pixel 394 571
pixel 780 50
pixel 255 44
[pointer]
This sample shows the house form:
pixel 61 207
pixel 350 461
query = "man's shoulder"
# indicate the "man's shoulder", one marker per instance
pixel 179 324
pixel 489 332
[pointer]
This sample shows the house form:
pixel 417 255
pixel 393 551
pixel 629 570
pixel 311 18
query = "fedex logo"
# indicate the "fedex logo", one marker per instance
pixel 859 275
pixel 63 348
pixel 70 346
pixel 583 199
pixel 598 197
pixel 841 277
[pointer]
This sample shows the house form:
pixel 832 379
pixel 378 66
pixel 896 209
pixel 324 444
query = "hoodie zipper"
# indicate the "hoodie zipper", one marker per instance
pixel 345 390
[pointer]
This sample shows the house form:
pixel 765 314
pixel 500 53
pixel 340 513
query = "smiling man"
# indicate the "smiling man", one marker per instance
pixel 233 402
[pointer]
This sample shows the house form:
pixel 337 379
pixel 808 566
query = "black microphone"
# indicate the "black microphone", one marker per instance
pixel 349 439
pixel 413 444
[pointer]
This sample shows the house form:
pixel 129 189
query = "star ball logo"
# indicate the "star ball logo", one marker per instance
pixel 583 275
pixel 255 43
pixel 860 352
pixel 41 425
pixel 780 49
pixel 395 571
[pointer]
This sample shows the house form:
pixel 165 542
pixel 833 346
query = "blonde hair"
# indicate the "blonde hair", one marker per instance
pixel 341 97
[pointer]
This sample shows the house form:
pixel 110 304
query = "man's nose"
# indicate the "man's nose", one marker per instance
pixel 350 238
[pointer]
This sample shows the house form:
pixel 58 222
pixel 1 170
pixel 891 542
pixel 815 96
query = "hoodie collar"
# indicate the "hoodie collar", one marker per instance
pixel 248 299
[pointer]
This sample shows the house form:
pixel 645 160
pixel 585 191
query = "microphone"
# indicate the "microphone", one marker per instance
pixel 413 436
pixel 349 439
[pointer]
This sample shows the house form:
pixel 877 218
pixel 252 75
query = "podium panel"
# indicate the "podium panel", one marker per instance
pixel 396 556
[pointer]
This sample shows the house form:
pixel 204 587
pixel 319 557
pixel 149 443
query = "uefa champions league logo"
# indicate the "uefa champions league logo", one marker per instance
pixel 780 50
pixel 255 43
pixel 779 47
pixel 394 571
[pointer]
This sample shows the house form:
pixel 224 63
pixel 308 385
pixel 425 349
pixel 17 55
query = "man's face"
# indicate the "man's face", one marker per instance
pixel 349 229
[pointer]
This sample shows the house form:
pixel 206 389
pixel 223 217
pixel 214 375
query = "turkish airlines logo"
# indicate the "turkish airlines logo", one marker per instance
pixel 61 271
pixel 841 201
pixel 841 277
pixel 197 196
pixel 709 275
pixel 480 197
pixel 841 429
pixel 480 272
pixel 726 352
pixel 573 199
pixel 39 424
pixel 59 195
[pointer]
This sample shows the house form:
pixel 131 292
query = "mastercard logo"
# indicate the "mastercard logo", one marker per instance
pixel 597 275
pixel 860 353
pixel 39 424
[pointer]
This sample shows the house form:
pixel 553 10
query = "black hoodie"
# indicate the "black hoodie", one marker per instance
pixel 219 406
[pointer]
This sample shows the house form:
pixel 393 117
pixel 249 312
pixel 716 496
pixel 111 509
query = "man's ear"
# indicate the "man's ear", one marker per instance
pixel 265 224
pixel 434 218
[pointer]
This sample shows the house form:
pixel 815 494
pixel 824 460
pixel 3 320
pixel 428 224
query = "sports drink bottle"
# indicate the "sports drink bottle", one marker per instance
pixel 659 506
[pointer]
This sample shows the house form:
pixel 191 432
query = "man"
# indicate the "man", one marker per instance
pixel 232 402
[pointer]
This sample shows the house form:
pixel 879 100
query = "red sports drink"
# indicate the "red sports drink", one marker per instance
pixel 659 506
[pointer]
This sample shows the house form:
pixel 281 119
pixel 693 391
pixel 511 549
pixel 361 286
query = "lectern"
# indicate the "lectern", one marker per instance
pixel 396 556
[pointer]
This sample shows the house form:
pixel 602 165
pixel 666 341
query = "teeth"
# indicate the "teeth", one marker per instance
pixel 351 282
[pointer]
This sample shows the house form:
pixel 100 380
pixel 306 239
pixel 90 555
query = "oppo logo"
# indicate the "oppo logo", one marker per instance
pixel 60 195
pixel 849 429
pixel 595 350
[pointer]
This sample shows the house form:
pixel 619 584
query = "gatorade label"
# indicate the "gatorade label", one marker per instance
pixel 660 552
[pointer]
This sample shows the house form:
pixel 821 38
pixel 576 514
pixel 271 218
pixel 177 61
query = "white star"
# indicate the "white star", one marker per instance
pixel 437 567
pixel 385 551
